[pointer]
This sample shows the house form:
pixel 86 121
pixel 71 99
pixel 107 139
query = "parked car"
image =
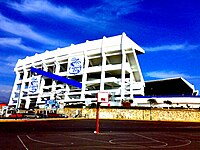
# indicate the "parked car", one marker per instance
pixel 16 116
pixel 41 115
pixel 30 114
pixel 54 115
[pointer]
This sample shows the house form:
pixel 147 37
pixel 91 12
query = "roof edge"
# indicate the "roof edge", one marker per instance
pixel 184 80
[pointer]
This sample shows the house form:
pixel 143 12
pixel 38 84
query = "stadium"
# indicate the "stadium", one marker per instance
pixel 106 65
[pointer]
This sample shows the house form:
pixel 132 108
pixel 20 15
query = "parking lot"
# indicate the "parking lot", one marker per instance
pixel 114 134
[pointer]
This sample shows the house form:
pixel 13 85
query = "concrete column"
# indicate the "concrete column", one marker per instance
pixel 131 84
pixel 27 103
pixel 42 83
pixel 123 69
pixel 67 90
pixel 23 89
pixel 84 77
pixel 14 88
pixel 44 66
pixel 138 67
pixel 57 69
pixel 21 92
pixel 103 65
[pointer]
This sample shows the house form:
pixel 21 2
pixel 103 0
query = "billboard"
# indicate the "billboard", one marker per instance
pixel 75 65
pixel 51 104
pixel 34 84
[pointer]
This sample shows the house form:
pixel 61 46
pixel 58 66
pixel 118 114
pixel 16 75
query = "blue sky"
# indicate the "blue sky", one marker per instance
pixel 168 31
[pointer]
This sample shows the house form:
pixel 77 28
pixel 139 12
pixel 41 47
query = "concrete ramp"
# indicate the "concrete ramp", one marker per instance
pixel 57 77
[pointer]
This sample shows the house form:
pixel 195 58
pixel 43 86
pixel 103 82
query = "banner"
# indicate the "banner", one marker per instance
pixel 34 85
pixel 51 104
pixel 75 65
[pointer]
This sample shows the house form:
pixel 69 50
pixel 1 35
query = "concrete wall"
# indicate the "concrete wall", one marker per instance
pixel 135 114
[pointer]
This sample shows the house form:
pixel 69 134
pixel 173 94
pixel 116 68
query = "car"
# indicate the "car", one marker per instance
pixel 41 115
pixel 54 115
pixel 16 116
pixel 30 114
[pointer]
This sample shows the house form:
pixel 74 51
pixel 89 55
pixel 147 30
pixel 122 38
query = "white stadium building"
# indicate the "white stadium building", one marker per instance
pixel 104 65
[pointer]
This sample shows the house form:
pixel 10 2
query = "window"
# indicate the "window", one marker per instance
pixel 19 86
pixel 16 95
pixel 26 85
pixel 51 69
pixel 115 59
pixel 48 82
pixel 21 75
pixel 29 74
pixel 25 94
pixel 63 67
pixel 95 62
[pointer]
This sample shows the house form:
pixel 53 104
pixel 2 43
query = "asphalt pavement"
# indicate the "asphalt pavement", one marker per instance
pixel 114 134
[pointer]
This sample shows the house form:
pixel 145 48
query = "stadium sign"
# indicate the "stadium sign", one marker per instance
pixel 75 65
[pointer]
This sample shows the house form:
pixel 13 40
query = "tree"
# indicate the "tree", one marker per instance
pixel 168 102
pixel 151 101
pixel 93 105
pixel 188 106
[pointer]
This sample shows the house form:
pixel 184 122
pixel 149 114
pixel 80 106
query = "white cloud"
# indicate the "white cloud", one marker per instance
pixel 122 7
pixel 7 70
pixel 173 47
pixel 15 42
pixel 11 60
pixel 99 14
pixel 47 8
pixel 7 65
pixel 23 30
pixel 99 17
pixel 5 89
pixel 84 18
pixel 166 74
pixel 5 92
pixel 112 9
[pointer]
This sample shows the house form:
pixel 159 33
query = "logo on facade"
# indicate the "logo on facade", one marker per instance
pixel 75 65
pixel 34 85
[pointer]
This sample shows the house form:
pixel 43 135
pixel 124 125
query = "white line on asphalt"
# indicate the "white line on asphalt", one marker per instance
pixel 100 141
pixel 149 138
pixel 22 142
pixel 42 141
pixel 179 138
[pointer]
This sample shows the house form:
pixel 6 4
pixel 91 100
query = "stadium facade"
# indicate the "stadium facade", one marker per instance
pixel 104 65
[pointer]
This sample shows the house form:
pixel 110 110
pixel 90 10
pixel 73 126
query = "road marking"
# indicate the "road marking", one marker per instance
pixel 181 145
pixel 149 138
pixel 127 141
pixel 188 142
pixel 107 147
pixel 88 139
pixel 22 142
pixel 42 141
